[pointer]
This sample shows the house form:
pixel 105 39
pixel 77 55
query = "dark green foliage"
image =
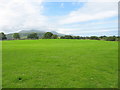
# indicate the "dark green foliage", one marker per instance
pixel 62 37
pixel 32 36
pixel 54 37
pixel 48 35
pixel 94 38
pixel 79 37
pixel 111 38
pixel 87 37
pixel 66 37
pixel 102 37
pixel 16 36
pixel 76 37
pixel 83 37
pixel 2 36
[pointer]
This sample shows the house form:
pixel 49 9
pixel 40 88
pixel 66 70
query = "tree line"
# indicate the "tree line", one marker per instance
pixel 106 38
pixel 49 35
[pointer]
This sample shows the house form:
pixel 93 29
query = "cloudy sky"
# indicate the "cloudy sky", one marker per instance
pixel 75 18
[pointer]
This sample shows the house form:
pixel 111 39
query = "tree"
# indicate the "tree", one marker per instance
pixel 48 35
pixel 32 36
pixel 111 38
pixel 102 37
pixel 2 36
pixel 87 37
pixel 54 37
pixel 62 37
pixel 94 38
pixel 16 36
pixel 66 37
pixel 76 37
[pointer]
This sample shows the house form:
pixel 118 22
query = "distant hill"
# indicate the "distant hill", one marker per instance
pixel 25 33
pixel 31 31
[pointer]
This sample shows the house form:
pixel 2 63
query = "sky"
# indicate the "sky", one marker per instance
pixel 74 18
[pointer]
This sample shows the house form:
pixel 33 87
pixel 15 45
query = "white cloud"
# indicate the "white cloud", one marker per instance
pixel 91 11
pixel 21 14
pixel 101 27
pixel 82 31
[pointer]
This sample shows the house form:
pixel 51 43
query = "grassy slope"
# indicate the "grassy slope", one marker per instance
pixel 60 63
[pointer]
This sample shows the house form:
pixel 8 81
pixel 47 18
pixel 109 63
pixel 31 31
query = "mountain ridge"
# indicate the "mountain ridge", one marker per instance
pixel 24 33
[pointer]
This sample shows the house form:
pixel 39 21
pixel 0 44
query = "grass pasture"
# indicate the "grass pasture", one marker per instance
pixel 59 64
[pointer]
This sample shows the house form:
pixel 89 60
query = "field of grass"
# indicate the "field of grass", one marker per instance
pixel 59 64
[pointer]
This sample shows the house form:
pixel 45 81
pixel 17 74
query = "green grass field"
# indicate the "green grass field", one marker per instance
pixel 60 64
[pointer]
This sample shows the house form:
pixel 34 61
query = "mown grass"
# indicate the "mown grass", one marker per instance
pixel 60 64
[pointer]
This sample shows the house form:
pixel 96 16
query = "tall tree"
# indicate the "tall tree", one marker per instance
pixel 16 36
pixel 2 36
pixel 48 35
pixel 32 36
